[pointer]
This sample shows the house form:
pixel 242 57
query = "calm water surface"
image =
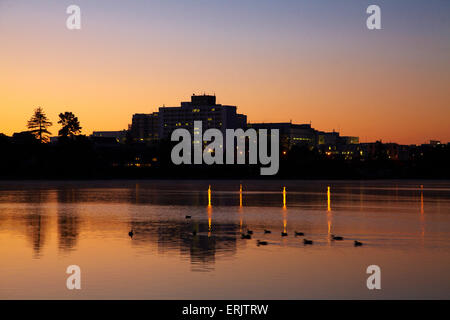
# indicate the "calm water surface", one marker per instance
pixel 47 226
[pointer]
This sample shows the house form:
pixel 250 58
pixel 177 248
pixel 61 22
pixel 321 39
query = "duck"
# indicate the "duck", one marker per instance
pixel 188 217
pixel 337 238
pixel 246 236
pixel 249 232
pixel 262 243
pixel 358 244
pixel 131 234
pixel 267 231
pixel 299 233
pixel 284 234
pixel 306 241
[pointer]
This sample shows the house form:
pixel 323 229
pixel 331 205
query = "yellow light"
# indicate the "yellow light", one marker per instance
pixel 284 197
pixel 209 196
pixel 329 198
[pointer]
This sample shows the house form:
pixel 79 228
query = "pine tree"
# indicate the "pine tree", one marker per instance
pixel 38 125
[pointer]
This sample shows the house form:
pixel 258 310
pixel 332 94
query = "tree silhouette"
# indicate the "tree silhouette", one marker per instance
pixel 39 124
pixel 70 124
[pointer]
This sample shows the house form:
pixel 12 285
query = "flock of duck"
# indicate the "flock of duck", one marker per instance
pixel 249 234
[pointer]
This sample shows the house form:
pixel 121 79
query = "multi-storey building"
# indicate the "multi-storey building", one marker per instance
pixel 290 134
pixel 201 108
pixel 145 127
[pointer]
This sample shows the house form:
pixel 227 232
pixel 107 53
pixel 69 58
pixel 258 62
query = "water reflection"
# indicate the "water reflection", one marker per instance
pixel 329 198
pixel 35 220
pixel 422 216
pixel 156 211
pixel 200 247
pixel 329 215
pixel 68 219
pixel 240 195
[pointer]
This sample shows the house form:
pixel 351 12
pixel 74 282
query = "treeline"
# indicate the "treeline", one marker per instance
pixel 28 155
pixel 80 157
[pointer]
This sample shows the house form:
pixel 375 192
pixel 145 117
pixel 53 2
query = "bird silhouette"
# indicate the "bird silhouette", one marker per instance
pixel 262 243
pixel 358 244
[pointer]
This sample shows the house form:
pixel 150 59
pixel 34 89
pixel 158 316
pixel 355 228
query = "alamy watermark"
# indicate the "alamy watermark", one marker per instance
pixel 374 280
pixel 73 22
pixel 74 280
pixel 374 20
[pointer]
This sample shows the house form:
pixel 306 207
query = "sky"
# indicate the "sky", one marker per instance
pixel 276 60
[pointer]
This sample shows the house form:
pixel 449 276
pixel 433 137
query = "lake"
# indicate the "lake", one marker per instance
pixel 45 226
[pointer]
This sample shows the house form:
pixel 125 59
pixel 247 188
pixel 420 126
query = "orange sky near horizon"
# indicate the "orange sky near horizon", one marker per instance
pixel 392 86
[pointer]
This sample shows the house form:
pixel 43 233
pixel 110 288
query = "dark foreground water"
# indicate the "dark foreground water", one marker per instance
pixel 47 226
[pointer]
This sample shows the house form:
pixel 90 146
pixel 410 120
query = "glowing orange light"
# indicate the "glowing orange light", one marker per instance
pixel 240 195
pixel 209 220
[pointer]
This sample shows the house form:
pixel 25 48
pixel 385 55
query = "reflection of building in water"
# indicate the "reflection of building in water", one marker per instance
pixel 202 248
pixel 68 220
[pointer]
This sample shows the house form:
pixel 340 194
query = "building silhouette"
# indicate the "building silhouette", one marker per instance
pixel 145 127
pixel 303 134
pixel 160 125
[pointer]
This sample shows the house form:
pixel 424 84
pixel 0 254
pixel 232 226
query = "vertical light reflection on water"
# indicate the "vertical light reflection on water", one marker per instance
pixel 329 214
pixel 209 211
pixel 240 195
pixel 329 198
pixel 240 208
pixel 284 211
pixel 137 192
pixel 422 216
